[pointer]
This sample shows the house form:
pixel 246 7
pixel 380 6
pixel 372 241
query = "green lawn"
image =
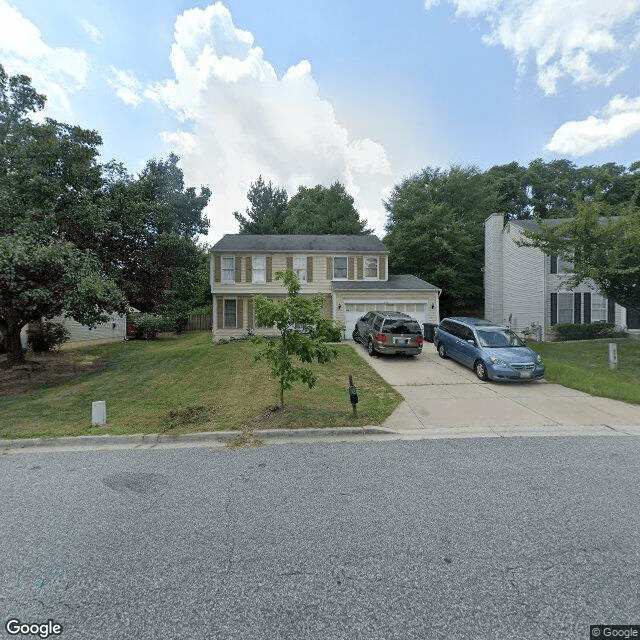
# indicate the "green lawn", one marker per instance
pixel 187 384
pixel 584 366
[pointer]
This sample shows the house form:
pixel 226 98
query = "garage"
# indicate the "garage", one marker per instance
pixel 404 293
pixel 355 310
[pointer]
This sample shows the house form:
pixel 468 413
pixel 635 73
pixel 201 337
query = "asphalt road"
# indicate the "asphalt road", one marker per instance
pixel 472 538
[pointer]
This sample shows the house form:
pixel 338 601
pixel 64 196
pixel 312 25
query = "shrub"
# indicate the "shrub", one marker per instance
pixel 147 326
pixel 44 336
pixel 587 331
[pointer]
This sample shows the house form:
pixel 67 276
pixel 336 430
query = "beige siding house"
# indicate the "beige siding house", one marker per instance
pixel 350 271
pixel 523 285
pixel 115 329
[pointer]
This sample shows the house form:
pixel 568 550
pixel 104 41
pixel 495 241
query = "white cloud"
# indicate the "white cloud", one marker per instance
pixel 241 120
pixel 55 71
pixel 619 120
pixel 564 38
pixel 127 88
pixel 92 31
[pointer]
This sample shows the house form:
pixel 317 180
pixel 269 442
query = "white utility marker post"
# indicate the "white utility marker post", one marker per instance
pixel 613 355
pixel 98 413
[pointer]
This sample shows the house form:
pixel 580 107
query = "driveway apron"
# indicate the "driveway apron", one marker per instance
pixel 444 395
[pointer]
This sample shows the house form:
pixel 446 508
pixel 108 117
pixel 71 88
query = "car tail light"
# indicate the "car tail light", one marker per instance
pixel 380 337
pixel 420 340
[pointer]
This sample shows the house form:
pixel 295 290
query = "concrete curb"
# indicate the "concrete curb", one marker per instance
pixel 151 439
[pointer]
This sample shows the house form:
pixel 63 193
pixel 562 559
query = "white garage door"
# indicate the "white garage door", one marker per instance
pixel 354 310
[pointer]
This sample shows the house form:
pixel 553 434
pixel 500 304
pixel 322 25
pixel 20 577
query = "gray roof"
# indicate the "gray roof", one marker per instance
pixel 395 282
pixel 309 243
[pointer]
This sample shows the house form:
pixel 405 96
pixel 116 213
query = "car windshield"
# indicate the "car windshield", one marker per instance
pixel 401 326
pixel 498 338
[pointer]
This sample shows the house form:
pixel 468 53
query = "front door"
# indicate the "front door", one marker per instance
pixel 633 319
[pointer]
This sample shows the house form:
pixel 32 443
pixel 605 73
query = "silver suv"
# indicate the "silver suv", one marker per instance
pixel 389 332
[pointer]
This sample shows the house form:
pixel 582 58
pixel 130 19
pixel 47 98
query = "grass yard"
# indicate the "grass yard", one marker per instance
pixel 584 366
pixel 186 384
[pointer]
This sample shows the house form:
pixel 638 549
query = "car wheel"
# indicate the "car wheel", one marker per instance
pixel 355 335
pixel 481 370
pixel 442 352
pixel 372 349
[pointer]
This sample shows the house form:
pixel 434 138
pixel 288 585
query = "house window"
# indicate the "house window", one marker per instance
pixel 228 270
pixel 259 269
pixel 598 308
pixel 371 268
pixel 230 313
pixel 559 265
pixel 340 269
pixel 565 307
pixel 300 267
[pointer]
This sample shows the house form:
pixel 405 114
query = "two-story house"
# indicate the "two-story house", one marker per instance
pixel 351 271
pixel 523 285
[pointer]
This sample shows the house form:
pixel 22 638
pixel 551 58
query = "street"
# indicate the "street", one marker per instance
pixel 504 538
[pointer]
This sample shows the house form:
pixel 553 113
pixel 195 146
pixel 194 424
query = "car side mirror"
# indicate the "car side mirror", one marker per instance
pixel 473 342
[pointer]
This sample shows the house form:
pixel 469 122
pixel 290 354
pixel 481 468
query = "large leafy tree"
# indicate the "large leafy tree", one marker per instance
pixel 603 249
pixel 321 210
pixel 267 212
pixel 304 333
pixel 82 238
pixel 154 223
pixel 48 210
pixel 435 231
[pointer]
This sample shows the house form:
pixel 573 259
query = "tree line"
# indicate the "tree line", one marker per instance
pixel 435 224
pixel 316 210
pixel 435 221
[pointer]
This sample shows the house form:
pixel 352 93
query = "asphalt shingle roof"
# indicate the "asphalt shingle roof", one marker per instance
pixel 274 243
pixel 404 281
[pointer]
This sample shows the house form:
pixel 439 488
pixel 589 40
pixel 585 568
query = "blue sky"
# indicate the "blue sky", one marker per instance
pixel 306 93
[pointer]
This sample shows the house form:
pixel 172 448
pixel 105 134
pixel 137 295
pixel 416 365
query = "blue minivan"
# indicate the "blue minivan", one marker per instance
pixel 493 351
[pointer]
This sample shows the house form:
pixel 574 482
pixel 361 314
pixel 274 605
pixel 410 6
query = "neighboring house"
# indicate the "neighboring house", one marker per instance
pixel 351 271
pixel 112 330
pixel 523 285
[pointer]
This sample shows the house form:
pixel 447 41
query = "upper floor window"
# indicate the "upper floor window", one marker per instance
pixel 560 265
pixel 259 269
pixel 300 267
pixel 228 270
pixel 371 268
pixel 340 268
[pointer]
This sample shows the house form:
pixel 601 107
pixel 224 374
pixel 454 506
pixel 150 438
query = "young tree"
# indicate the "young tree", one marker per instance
pixel 304 333
pixel 48 219
pixel 267 212
pixel 603 249
pixel 320 210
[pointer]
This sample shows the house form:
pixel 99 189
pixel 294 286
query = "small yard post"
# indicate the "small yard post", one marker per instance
pixel 353 396
pixel 613 355
pixel 98 413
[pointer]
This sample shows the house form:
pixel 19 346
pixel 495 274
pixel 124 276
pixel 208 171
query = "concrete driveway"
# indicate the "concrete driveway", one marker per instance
pixel 443 396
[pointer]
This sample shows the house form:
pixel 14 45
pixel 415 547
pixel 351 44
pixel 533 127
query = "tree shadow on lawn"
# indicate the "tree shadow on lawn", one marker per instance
pixel 46 370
